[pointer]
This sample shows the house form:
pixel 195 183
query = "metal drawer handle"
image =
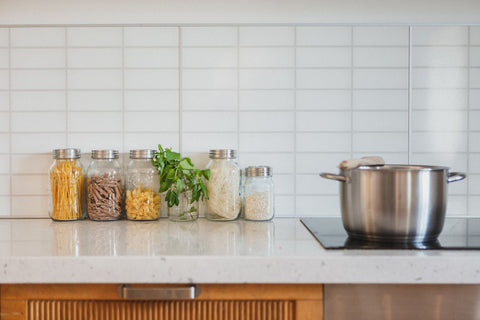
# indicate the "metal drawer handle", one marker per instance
pixel 185 293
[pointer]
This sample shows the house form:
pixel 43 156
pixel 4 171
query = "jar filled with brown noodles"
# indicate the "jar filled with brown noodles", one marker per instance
pixel 105 194
pixel 66 187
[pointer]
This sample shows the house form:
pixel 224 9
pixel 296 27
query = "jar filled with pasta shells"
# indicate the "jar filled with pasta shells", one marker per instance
pixel 142 200
pixel 66 186
pixel 104 186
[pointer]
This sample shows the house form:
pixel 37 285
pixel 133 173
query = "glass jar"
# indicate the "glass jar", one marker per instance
pixel 66 187
pixel 142 200
pixel 224 201
pixel 258 194
pixel 104 186
pixel 186 210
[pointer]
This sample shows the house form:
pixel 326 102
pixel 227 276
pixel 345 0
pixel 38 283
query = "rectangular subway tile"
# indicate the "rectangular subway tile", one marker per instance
pixel 439 35
pixel 209 121
pixel 380 99
pixel 323 99
pixel 440 120
pixel 37 79
pixel 323 142
pixel 439 78
pixel 4 100
pixel 30 184
pixel 95 79
pixel 323 79
pixel 38 100
pixel 4 58
pixel 267 36
pixel 151 121
pixel 380 57
pixel 94 36
pixel 209 100
pixel 323 36
pixel 323 57
pixel 381 36
pixel 209 36
pixel 452 99
pixel 38 122
pixel 380 78
pixel 380 121
pixel 314 163
pixel 323 121
pixel 202 142
pixel 22 164
pixel 154 100
pixel 209 79
pixel 110 100
pixel 441 142
pixel 94 122
pixel 150 36
pixel 5 164
pixel 267 57
pixel 32 206
pixel 380 142
pixel 439 57
pixel 267 79
pixel 151 79
pixel 266 100
pixel 4 37
pixel 91 141
pixel 209 57
pixel 266 142
pixel 37 142
pixel 151 140
pixel 38 58
pixel 151 57
pixel 95 57
pixel 37 37
pixel 281 163
pixel 5 80
pixel 267 121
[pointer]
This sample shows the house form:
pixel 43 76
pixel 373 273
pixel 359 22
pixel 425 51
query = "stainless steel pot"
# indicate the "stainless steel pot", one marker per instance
pixel 395 203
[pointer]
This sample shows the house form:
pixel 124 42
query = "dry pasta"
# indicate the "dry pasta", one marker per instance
pixel 66 183
pixel 142 204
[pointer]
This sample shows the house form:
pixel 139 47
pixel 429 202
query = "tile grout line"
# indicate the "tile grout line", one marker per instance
pixel 352 34
pixel 409 98
pixel 123 90
pixel 180 90
pixel 238 95
pixel 66 88
pixel 468 120
pixel 295 122
pixel 10 138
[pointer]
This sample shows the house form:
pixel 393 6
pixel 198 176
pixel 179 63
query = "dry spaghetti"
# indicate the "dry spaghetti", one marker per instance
pixel 67 190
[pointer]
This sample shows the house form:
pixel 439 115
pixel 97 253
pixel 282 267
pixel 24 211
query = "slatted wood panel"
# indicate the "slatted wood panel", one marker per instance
pixel 160 310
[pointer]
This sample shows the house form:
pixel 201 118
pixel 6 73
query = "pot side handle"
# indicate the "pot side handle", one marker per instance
pixel 332 176
pixel 455 176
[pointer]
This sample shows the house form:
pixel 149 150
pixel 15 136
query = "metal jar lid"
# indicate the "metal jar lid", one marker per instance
pixel 258 171
pixel 104 154
pixel 142 154
pixel 69 153
pixel 223 154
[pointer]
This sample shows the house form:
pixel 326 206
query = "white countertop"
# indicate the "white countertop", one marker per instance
pixel 280 251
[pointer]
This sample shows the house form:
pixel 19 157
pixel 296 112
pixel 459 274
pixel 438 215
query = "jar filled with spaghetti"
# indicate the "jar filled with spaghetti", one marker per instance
pixel 142 200
pixel 66 187
pixel 224 202
pixel 104 186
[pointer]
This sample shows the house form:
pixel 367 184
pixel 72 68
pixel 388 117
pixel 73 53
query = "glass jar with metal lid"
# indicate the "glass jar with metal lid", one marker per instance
pixel 66 187
pixel 142 183
pixel 224 202
pixel 258 194
pixel 104 186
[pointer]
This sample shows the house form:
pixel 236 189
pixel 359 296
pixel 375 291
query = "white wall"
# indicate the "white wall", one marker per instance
pixel 238 11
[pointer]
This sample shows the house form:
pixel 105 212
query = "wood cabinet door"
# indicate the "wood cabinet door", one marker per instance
pixel 216 301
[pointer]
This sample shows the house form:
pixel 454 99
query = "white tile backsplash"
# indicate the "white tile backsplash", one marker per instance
pixel 298 98
pixel 36 79
pixel 94 57
pixel 95 100
pixel 150 36
pixel 37 58
pixel 323 36
pixel 267 36
pixel 94 79
pixel 266 100
pixel 95 37
pixel 37 37
pixel 380 36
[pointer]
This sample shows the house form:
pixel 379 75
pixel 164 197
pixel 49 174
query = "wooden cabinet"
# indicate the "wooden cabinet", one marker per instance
pixel 216 301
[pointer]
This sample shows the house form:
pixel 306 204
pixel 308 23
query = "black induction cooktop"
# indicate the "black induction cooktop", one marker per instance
pixel 457 234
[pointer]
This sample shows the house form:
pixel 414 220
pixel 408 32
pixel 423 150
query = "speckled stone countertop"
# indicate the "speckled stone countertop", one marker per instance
pixel 279 251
